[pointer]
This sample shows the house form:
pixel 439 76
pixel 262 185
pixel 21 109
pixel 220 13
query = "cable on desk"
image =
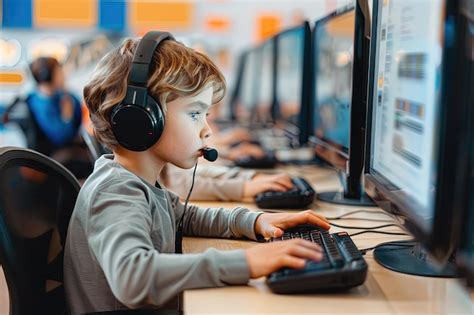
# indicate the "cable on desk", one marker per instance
pixel 378 232
pixel 359 211
pixel 402 243
pixel 363 227
pixel 361 218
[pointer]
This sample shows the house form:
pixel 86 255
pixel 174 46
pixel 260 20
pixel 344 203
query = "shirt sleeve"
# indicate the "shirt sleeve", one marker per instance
pixel 118 234
pixel 216 222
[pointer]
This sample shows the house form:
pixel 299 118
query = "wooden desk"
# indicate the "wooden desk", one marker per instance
pixel 384 292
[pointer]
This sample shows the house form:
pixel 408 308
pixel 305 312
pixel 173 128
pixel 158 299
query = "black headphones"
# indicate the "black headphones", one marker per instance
pixel 138 121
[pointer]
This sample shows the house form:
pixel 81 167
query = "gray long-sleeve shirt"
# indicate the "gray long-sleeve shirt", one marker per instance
pixel 121 241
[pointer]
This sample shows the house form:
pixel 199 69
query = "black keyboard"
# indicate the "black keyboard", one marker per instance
pixel 342 267
pixel 267 161
pixel 299 197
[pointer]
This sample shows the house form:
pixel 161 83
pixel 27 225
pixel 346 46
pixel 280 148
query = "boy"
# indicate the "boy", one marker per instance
pixel 120 250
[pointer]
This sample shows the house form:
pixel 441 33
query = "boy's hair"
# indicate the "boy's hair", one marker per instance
pixel 42 69
pixel 176 71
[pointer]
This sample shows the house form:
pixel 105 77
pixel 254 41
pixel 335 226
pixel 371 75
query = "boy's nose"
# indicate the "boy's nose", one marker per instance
pixel 206 131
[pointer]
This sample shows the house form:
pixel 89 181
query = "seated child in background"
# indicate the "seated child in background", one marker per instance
pixel 120 250
pixel 57 113
pixel 221 182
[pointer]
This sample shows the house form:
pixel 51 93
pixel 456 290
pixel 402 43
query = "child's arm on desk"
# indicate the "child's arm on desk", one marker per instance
pixel 232 185
pixel 262 259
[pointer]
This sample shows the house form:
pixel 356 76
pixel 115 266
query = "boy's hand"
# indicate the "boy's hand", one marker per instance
pixel 264 259
pixel 263 182
pixel 273 224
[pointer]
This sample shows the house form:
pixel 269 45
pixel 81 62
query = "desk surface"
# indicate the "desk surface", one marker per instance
pixel 384 291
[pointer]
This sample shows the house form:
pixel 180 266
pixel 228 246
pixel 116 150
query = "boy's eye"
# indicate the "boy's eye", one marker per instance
pixel 194 115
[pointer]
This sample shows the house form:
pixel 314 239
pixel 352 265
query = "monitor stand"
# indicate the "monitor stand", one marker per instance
pixel 408 257
pixel 338 197
pixel 352 195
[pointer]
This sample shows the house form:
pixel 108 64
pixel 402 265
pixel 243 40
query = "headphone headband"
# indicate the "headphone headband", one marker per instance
pixel 143 57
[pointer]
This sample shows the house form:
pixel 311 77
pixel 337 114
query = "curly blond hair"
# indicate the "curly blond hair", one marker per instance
pixel 176 71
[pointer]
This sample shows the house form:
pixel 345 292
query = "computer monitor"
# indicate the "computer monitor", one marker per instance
pixel 465 257
pixel 293 49
pixel 235 94
pixel 266 92
pixel 244 107
pixel 416 139
pixel 340 53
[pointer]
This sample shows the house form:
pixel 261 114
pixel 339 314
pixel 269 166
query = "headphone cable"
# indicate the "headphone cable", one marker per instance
pixel 179 230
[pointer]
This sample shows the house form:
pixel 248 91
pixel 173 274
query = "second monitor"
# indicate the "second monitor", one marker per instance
pixel 340 53
pixel 292 73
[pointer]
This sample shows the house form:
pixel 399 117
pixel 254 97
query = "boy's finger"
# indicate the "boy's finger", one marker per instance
pixel 285 182
pixel 319 216
pixel 307 244
pixel 304 252
pixel 276 187
pixel 309 217
pixel 292 262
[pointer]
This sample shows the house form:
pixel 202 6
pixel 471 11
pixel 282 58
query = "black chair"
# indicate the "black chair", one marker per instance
pixel 38 197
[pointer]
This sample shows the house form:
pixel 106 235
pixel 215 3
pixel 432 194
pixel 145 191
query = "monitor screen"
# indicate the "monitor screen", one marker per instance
pixel 406 103
pixel 333 63
pixel 249 87
pixel 289 80
pixel 265 92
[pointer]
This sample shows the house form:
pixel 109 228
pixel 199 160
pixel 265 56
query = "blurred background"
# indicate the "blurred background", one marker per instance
pixel 79 32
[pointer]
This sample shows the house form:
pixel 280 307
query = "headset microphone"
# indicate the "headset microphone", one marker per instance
pixel 210 154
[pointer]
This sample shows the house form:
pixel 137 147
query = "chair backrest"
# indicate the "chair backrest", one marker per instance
pixel 37 199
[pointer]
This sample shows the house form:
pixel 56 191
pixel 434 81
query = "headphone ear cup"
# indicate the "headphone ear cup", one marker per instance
pixel 136 127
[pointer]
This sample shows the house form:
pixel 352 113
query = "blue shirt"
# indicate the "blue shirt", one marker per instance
pixel 47 113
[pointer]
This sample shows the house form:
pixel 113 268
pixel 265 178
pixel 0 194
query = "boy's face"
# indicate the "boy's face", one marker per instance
pixel 186 129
